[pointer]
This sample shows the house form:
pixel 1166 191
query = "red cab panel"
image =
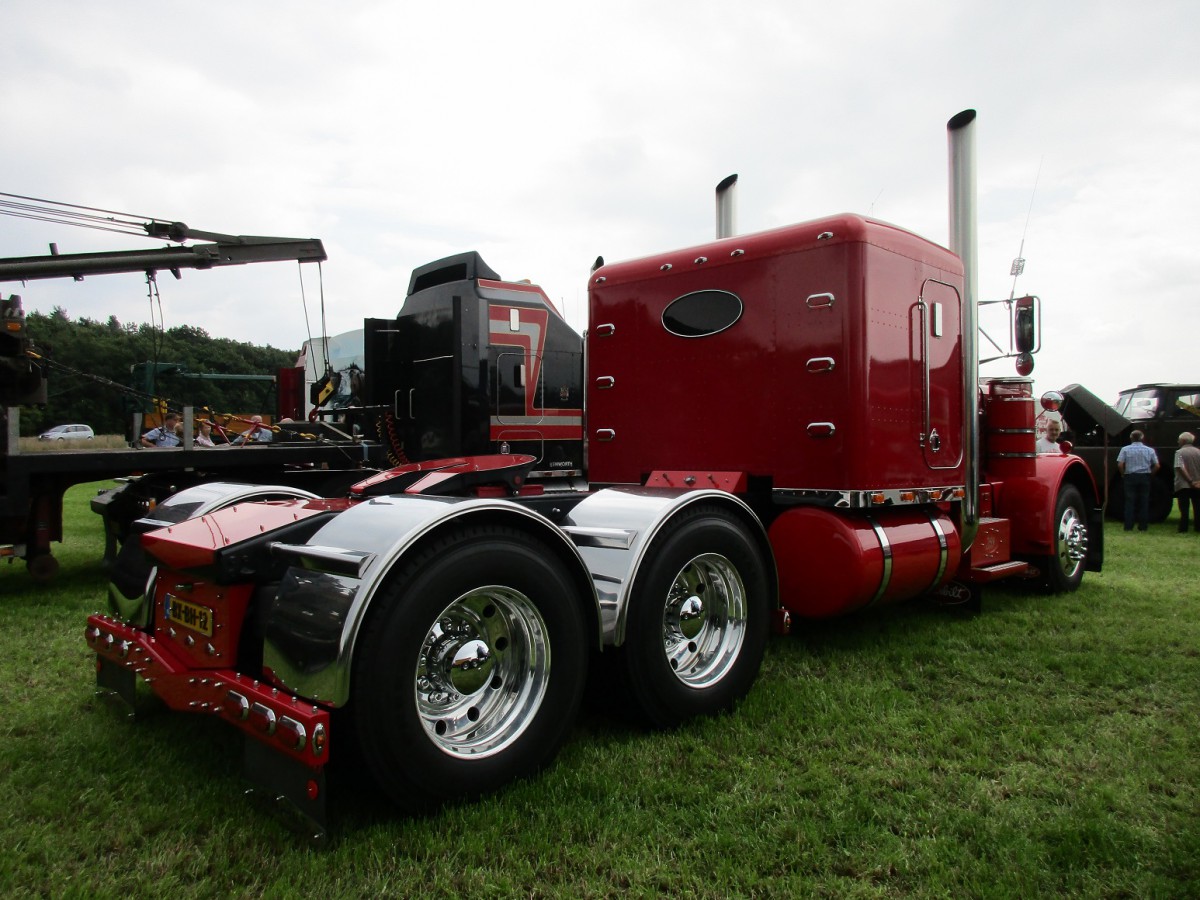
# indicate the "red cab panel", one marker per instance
pixel 837 365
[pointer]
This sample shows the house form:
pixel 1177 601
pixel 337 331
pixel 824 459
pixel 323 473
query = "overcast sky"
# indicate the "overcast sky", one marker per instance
pixel 543 134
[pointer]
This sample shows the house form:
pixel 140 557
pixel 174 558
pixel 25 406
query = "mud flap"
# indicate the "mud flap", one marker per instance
pixel 1095 551
pixel 291 791
pixel 116 683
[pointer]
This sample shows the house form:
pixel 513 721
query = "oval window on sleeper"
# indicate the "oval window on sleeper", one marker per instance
pixel 702 313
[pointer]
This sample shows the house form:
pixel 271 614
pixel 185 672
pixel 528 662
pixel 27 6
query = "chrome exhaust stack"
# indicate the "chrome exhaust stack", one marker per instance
pixel 964 241
pixel 726 207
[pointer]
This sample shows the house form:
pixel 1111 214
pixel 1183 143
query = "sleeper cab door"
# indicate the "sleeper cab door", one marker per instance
pixel 939 326
pixel 425 390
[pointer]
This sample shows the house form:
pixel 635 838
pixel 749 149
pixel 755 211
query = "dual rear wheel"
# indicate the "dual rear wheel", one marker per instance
pixel 470 671
pixel 698 618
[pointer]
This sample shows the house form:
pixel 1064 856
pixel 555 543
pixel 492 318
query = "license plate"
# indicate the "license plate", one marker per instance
pixel 189 615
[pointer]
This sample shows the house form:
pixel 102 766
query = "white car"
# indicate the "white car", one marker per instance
pixel 68 433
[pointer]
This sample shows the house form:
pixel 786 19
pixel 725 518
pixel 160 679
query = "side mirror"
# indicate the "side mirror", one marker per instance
pixel 1026 312
pixel 1052 401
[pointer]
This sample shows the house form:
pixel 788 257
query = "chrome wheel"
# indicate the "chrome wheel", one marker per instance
pixel 1071 542
pixel 1064 567
pixel 704 620
pixel 698 616
pixel 452 691
pixel 482 672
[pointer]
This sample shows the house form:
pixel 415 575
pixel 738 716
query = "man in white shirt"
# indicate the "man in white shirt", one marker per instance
pixel 1187 480
pixel 1049 442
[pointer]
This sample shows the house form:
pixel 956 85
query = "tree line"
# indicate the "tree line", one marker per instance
pixel 102 373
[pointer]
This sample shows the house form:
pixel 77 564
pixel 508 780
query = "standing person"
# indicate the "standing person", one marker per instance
pixel 1049 443
pixel 1137 464
pixel 1187 480
pixel 164 435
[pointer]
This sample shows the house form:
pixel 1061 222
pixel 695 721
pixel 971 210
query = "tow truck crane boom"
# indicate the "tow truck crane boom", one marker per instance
pixel 32 485
pixel 226 250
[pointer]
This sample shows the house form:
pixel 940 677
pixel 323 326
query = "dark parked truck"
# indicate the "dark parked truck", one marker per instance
pixel 779 426
pixel 1098 431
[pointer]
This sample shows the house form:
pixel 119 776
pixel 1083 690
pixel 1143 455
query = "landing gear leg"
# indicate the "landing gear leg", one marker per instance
pixel 42 568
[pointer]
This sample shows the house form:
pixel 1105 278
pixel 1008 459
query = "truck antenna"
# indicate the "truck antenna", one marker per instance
pixel 1018 264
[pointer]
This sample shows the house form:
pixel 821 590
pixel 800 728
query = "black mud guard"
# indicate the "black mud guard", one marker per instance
pixel 288 789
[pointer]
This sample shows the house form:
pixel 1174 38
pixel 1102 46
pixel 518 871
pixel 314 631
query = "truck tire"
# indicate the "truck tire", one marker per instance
pixel 698 619
pixel 1064 569
pixel 470 670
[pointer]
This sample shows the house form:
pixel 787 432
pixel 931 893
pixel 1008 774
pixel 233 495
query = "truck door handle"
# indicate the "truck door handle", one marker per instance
pixel 821 429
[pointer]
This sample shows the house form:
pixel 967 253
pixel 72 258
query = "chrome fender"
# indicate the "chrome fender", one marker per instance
pixel 312 625
pixel 614 528
pixel 190 503
pixel 202 499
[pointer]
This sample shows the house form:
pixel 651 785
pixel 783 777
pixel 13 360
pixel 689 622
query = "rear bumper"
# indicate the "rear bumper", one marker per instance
pixel 289 725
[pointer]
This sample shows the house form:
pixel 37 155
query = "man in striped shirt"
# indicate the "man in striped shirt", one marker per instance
pixel 1137 464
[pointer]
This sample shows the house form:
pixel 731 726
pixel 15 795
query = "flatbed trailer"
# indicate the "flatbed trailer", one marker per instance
pixel 310 459
pixel 32 485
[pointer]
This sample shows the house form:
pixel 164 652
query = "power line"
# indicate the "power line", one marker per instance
pixel 60 213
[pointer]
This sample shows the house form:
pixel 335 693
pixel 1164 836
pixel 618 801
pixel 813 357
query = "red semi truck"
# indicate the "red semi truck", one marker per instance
pixel 779 426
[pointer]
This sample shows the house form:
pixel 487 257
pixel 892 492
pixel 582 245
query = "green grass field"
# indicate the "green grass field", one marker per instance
pixel 1050 745
pixel 99 442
